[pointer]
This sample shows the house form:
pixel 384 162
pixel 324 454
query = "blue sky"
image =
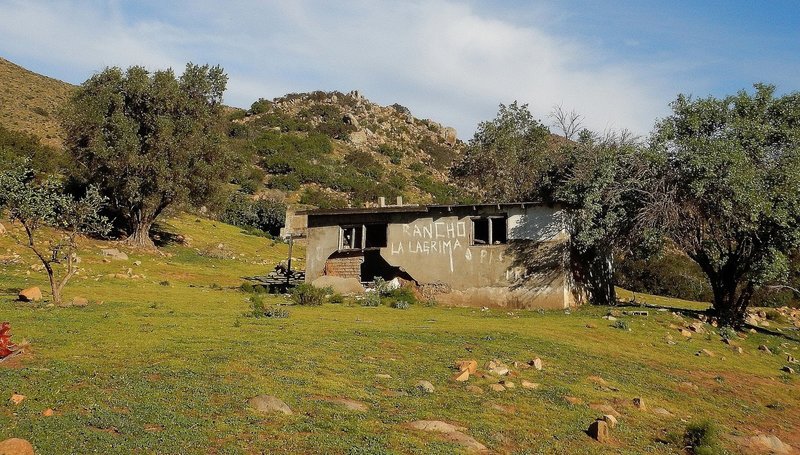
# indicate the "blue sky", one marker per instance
pixel 619 63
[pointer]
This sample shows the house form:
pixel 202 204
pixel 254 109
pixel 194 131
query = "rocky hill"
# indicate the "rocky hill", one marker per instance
pixel 336 149
pixel 29 102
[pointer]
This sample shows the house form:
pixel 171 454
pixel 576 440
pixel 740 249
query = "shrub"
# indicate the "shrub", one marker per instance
pixel 336 298
pixel 247 287
pixel 400 305
pixel 309 295
pixel 260 106
pixel 395 155
pixel 287 182
pixel 164 283
pixel 727 333
pixel 260 310
pixel 701 438
pixel 265 214
pixel 621 324
pixel 365 164
pixel 372 299
pixel 322 199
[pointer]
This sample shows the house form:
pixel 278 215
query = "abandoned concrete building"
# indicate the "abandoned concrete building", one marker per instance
pixel 500 255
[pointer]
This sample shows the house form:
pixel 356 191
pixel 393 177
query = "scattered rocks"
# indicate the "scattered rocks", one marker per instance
pixel 33 294
pixel 765 349
pixel 599 431
pixel 114 254
pixel 16 446
pixel 639 403
pixel 269 404
pixel 529 385
pixel 425 387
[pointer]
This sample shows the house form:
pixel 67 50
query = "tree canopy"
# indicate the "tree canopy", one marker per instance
pixel 148 140
pixel 729 191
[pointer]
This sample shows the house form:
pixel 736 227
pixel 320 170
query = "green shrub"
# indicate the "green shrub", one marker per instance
pixel 258 309
pixel 287 182
pixel 372 299
pixel 336 298
pixel 264 214
pixel 400 305
pixel 260 106
pixel 395 155
pixel 164 283
pixel 309 295
pixel 701 438
pixel 727 333
pixel 620 324
pixel 247 287
pixel 322 199
pixel 365 164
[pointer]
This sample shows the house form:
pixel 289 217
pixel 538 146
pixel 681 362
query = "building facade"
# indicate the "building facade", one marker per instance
pixel 494 255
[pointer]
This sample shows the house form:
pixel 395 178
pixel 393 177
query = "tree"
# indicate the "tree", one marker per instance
pixel 37 204
pixel 148 141
pixel 569 122
pixel 729 195
pixel 506 156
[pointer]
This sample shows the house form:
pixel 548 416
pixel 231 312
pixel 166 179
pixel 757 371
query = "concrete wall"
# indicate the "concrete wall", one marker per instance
pixel 436 249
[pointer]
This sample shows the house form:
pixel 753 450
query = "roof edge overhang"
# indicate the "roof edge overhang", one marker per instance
pixel 413 208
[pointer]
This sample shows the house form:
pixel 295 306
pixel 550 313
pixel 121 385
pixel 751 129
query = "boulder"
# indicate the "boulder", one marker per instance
pixel 350 405
pixel 17 398
pixel 114 254
pixel 48 412
pixel 425 387
pixel 450 135
pixel 771 444
pixel 788 369
pixel 16 446
pixel 475 389
pixel 497 387
pixel 662 412
pixel 461 376
pixel 529 385
pixel 599 430
pixel 345 286
pixel 639 403
pixel 269 404
pixel 536 363
pixel 610 420
pixel 80 301
pixel 358 137
pixel 33 294
pixel 470 365
pixel 686 333
pixel 452 433
pixel 764 348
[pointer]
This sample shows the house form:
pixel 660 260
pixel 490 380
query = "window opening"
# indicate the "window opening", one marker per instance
pixel 489 230
pixel 376 236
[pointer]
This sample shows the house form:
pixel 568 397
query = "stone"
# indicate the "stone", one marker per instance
pixel 358 137
pixel 790 359
pixel 686 333
pixel 529 385
pixel 114 254
pixel 662 412
pixel 610 318
pixel 598 430
pixel 508 384
pixel 80 301
pixel 788 369
pixel 688 386
pixel 467 365
pixel 605 409
pixel 383 376
pixel 425 387
pixel 33 294
pixel 451 432
pixel 598 380
pixel 499 370
pixel 48 413
pixel 17 398
pixel 16 446
pixel 697 327
pixel 738 349
pixel 764 348
pixel 536 363
pixel 610 420
pixel 351 405
pixel 497 387
pixel 573 400
pixel 435 425
pixel 345 286
pixel 591 325
pixel 705 352
pixel 269 404
pixel 461 376
pixel 771 443
pixel 639 403
pixel 474 389
pixel 137 263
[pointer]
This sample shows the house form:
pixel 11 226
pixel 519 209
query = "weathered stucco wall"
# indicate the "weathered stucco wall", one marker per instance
pixel 436 249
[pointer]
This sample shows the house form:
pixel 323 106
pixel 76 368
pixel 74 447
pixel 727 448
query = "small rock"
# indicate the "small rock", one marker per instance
pixel 497 387
pixel 425 387
pixel 467 365
pixel 597 380
pixel 591 326
pixel 47 412
pixel 351 405
pixel 451 432
pixel 706 352
pixel 688 386
pixel 17 398
pixel 508 384
pixel 788 369
pixel 536 363
pixel 137 263
pixel 697 327
pixel 2 229
pixel 499 370
pixel 383 376
pixel 114 254
pixel 80 301
pixel 529 385
pixel 610 318
pixel 461 376
pixel 268 403
pixel 610 420
pixel 764 348
pixel 573 400
pixel 475 389
pixel 738 349
pixel 33 294
pixel 16 446
pixel 599 430
pixel 686 333
pixel 639 403
pixel 791 359
pixel 771 443
pixel 662 411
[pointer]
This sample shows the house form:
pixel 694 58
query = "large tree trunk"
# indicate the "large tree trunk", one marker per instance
pixel 594 273
pixel 140 235
pixel 730 302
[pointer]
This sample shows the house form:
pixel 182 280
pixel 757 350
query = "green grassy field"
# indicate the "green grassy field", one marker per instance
pixel 167 362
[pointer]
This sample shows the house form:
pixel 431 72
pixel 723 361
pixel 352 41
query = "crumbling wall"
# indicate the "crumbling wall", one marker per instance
pixel 344 265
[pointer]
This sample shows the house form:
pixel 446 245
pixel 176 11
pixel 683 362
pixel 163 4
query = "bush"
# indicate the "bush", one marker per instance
pixel 287 182
pixel 365 164
pixel 309 295
pixel 701 438
pixel 372 299
pixel 336 298
pixel 260 106
pixel 264 214
pixel 247 287
pixel 727 333
pixel 620 324
pixel 400 305
pixel 260 310
pixel 395 155
pixel 322 199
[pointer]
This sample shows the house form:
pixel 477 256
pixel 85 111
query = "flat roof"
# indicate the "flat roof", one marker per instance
pixel 409 208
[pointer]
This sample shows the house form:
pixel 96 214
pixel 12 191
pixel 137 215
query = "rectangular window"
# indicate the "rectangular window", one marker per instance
pixel 352 237
pixel 376 235
pixel 491 230
pixel 363 236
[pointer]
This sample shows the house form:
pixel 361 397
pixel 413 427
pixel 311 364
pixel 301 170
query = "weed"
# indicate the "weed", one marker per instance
pixel 309 295
pixel 336 298
pixel 247 287
pixel 400 305
pixel 372 299
pixel 700 438
pixel 727 333
pixel 621 324
pixel 164 283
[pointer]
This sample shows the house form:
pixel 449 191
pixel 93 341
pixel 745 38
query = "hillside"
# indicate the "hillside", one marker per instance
pixel 335 149
pixel 165 357
pixel 29 102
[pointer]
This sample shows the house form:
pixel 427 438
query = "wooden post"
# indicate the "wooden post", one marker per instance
pixel 289 262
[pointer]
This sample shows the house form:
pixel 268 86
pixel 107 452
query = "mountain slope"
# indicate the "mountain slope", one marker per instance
pixel 30 102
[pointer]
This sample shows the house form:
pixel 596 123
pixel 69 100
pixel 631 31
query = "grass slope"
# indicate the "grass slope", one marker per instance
pixel 30 102
pixel 168 369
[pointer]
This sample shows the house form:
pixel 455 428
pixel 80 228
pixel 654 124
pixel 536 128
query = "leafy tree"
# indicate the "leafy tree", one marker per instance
pixel 16 145
pixel 37 204
pixel 148 140
pixel 506 156
pixel 729 195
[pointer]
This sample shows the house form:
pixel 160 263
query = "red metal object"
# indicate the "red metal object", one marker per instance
pixel 6 346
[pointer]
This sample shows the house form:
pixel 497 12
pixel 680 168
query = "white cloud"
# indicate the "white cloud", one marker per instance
pixel 443 60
